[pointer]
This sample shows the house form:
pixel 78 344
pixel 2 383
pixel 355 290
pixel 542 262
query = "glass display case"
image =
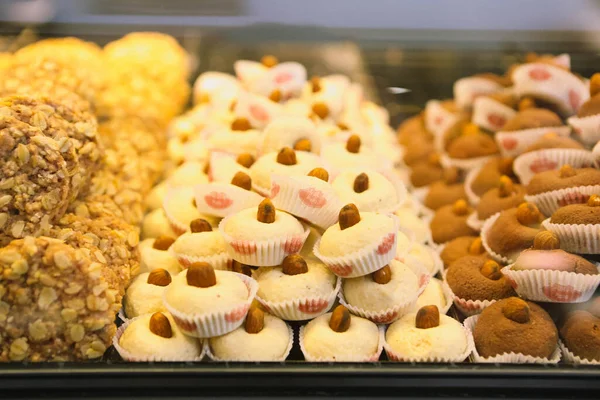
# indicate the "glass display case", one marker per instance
pixel 139 136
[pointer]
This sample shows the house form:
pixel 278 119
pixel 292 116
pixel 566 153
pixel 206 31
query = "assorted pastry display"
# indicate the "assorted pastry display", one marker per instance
pixel 282 211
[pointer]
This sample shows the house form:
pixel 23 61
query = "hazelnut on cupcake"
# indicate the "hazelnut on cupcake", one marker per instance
pixel 223 199
pixel 487 177
pixel 339 156
pixel 450 222
pixel 201 243
pixel 471 148
pixel 435 294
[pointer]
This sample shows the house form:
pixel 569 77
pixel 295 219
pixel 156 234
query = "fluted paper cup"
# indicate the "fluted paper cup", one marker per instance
pixel 587 129
pixel 437 118
pixel 223 199
pixel 576 238
pixel 371 358
pixel 549 202
pixel 484 232
pixel 474 222
pixel 490 114
pixel 217 261
pixel 529 164
pixel 467 307
pixel 466 90
pixel 471 196
pixel 571 358
pixel 513 143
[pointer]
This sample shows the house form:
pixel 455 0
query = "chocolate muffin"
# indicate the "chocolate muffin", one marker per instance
pixel 411 128
pixel 445 191
pixel 579 214
pixel 517 326
pixel 490 174
pixel 460 247
pixel 426 172
pixel 581 335
pixel 554 141
pixel 418 149
pixel 506 195
pixel 565 177
pixel 477 278
pixel 472 143
pixel 450 222
pixel 532 118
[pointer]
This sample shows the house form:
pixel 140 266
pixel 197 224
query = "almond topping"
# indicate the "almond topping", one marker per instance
pixel 595 84
pixel 275 96
pixel 343 126
pixel 320 173
pixel 241 124
pixel 287 156
pixel 241 179
pixel 163 243
pixel 201 274
pixel 303 145
pixel 526 103
pixel 476 247
pixel 159 277
pixel 594 201
pixel 361 183
pixel 269 61
pixel 382 275
pixel 427 317
pixel 491 270
pixel 566 171
pixel 506 186
pixel 460 207
pixel 353 144
pixel 245 160
pixel 321 110
pixel 294 264
pixel 349 216
pixel 266 212
pixel 340 319
pixel 255 320
pixel 528 214
pixel 160 325
pixel 315 82
pixel 200 225
pixel 240 268
pixel 546 240
pixel 516 310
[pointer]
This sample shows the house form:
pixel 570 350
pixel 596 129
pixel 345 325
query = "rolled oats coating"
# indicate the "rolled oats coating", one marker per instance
pixel 55 303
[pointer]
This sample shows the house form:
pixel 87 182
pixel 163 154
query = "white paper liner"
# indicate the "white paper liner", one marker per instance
pixel 466 164
pixel 121 315
pixel 471 196
pixel 587 129
pixel 509 358
pixel 549 202
pixel 366 260
pixel 305 200
pixel 286 353
pixel 571 358
pixel 513 143
pixel 217 261
pixel 474 222
pixel 301 309
pixel 484 230
pixel 264 253
pixel 391 314
pixel 466 90
pixel 437 118
pixel 215 323
pixel 552 286
pixel 128 356
pixel 491 114
pixel 223 199
pixel 529 164
pixel 552 84
pixel 372 358
pixel 576 238
pixel 467 307
pixel 398 357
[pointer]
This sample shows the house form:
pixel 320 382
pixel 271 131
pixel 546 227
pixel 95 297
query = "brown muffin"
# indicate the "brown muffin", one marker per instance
pixel 450 222
pixel 506 195
pixel 490 174
pixel 417 149
pixel 553 141
pixel 446 191
pixel 426 172
pixel 565 177
pixel 581 334
pixel 472 145
pixel 579 214
pixel 514 230
pixel 454 131
pixel 477 278
pixel 460 247
pixel 532 118
pixel 412 128
pixel 515 325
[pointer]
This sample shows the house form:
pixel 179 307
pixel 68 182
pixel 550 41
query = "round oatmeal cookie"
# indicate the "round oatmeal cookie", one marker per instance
pixel 55 303
pixel 34 181
pixel 125 193
pixel 95 206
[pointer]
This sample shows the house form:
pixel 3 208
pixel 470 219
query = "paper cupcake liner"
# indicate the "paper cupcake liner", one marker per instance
pixel 484 231
pixel 121 315
pixel 366 260
pixel 551 84
pixel 549 202
pixel 514 143
pixel 305 200
pixel 215 323
pixel 529 164
pixel 391 314
pixel 465 164
pixel 571 358
pixel 467 307
pixel 128 356
pixel 587 129
pixel 177 227
pixel 466 90
pixel 580 239
pixel 265 253
pixel 398 357
pixel 372 358
pixel 490 114
pixel 552 286
pixel 471 196
pixel 223 199
pixel 437 118
pixel 217 261
pixel 208 351
pixel 301 309
pixel 474 222
pixel 509 358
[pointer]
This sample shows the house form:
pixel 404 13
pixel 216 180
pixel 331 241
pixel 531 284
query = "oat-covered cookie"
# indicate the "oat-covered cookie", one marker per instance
pixel 55 303
pixel 95 206
pixel 34 180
